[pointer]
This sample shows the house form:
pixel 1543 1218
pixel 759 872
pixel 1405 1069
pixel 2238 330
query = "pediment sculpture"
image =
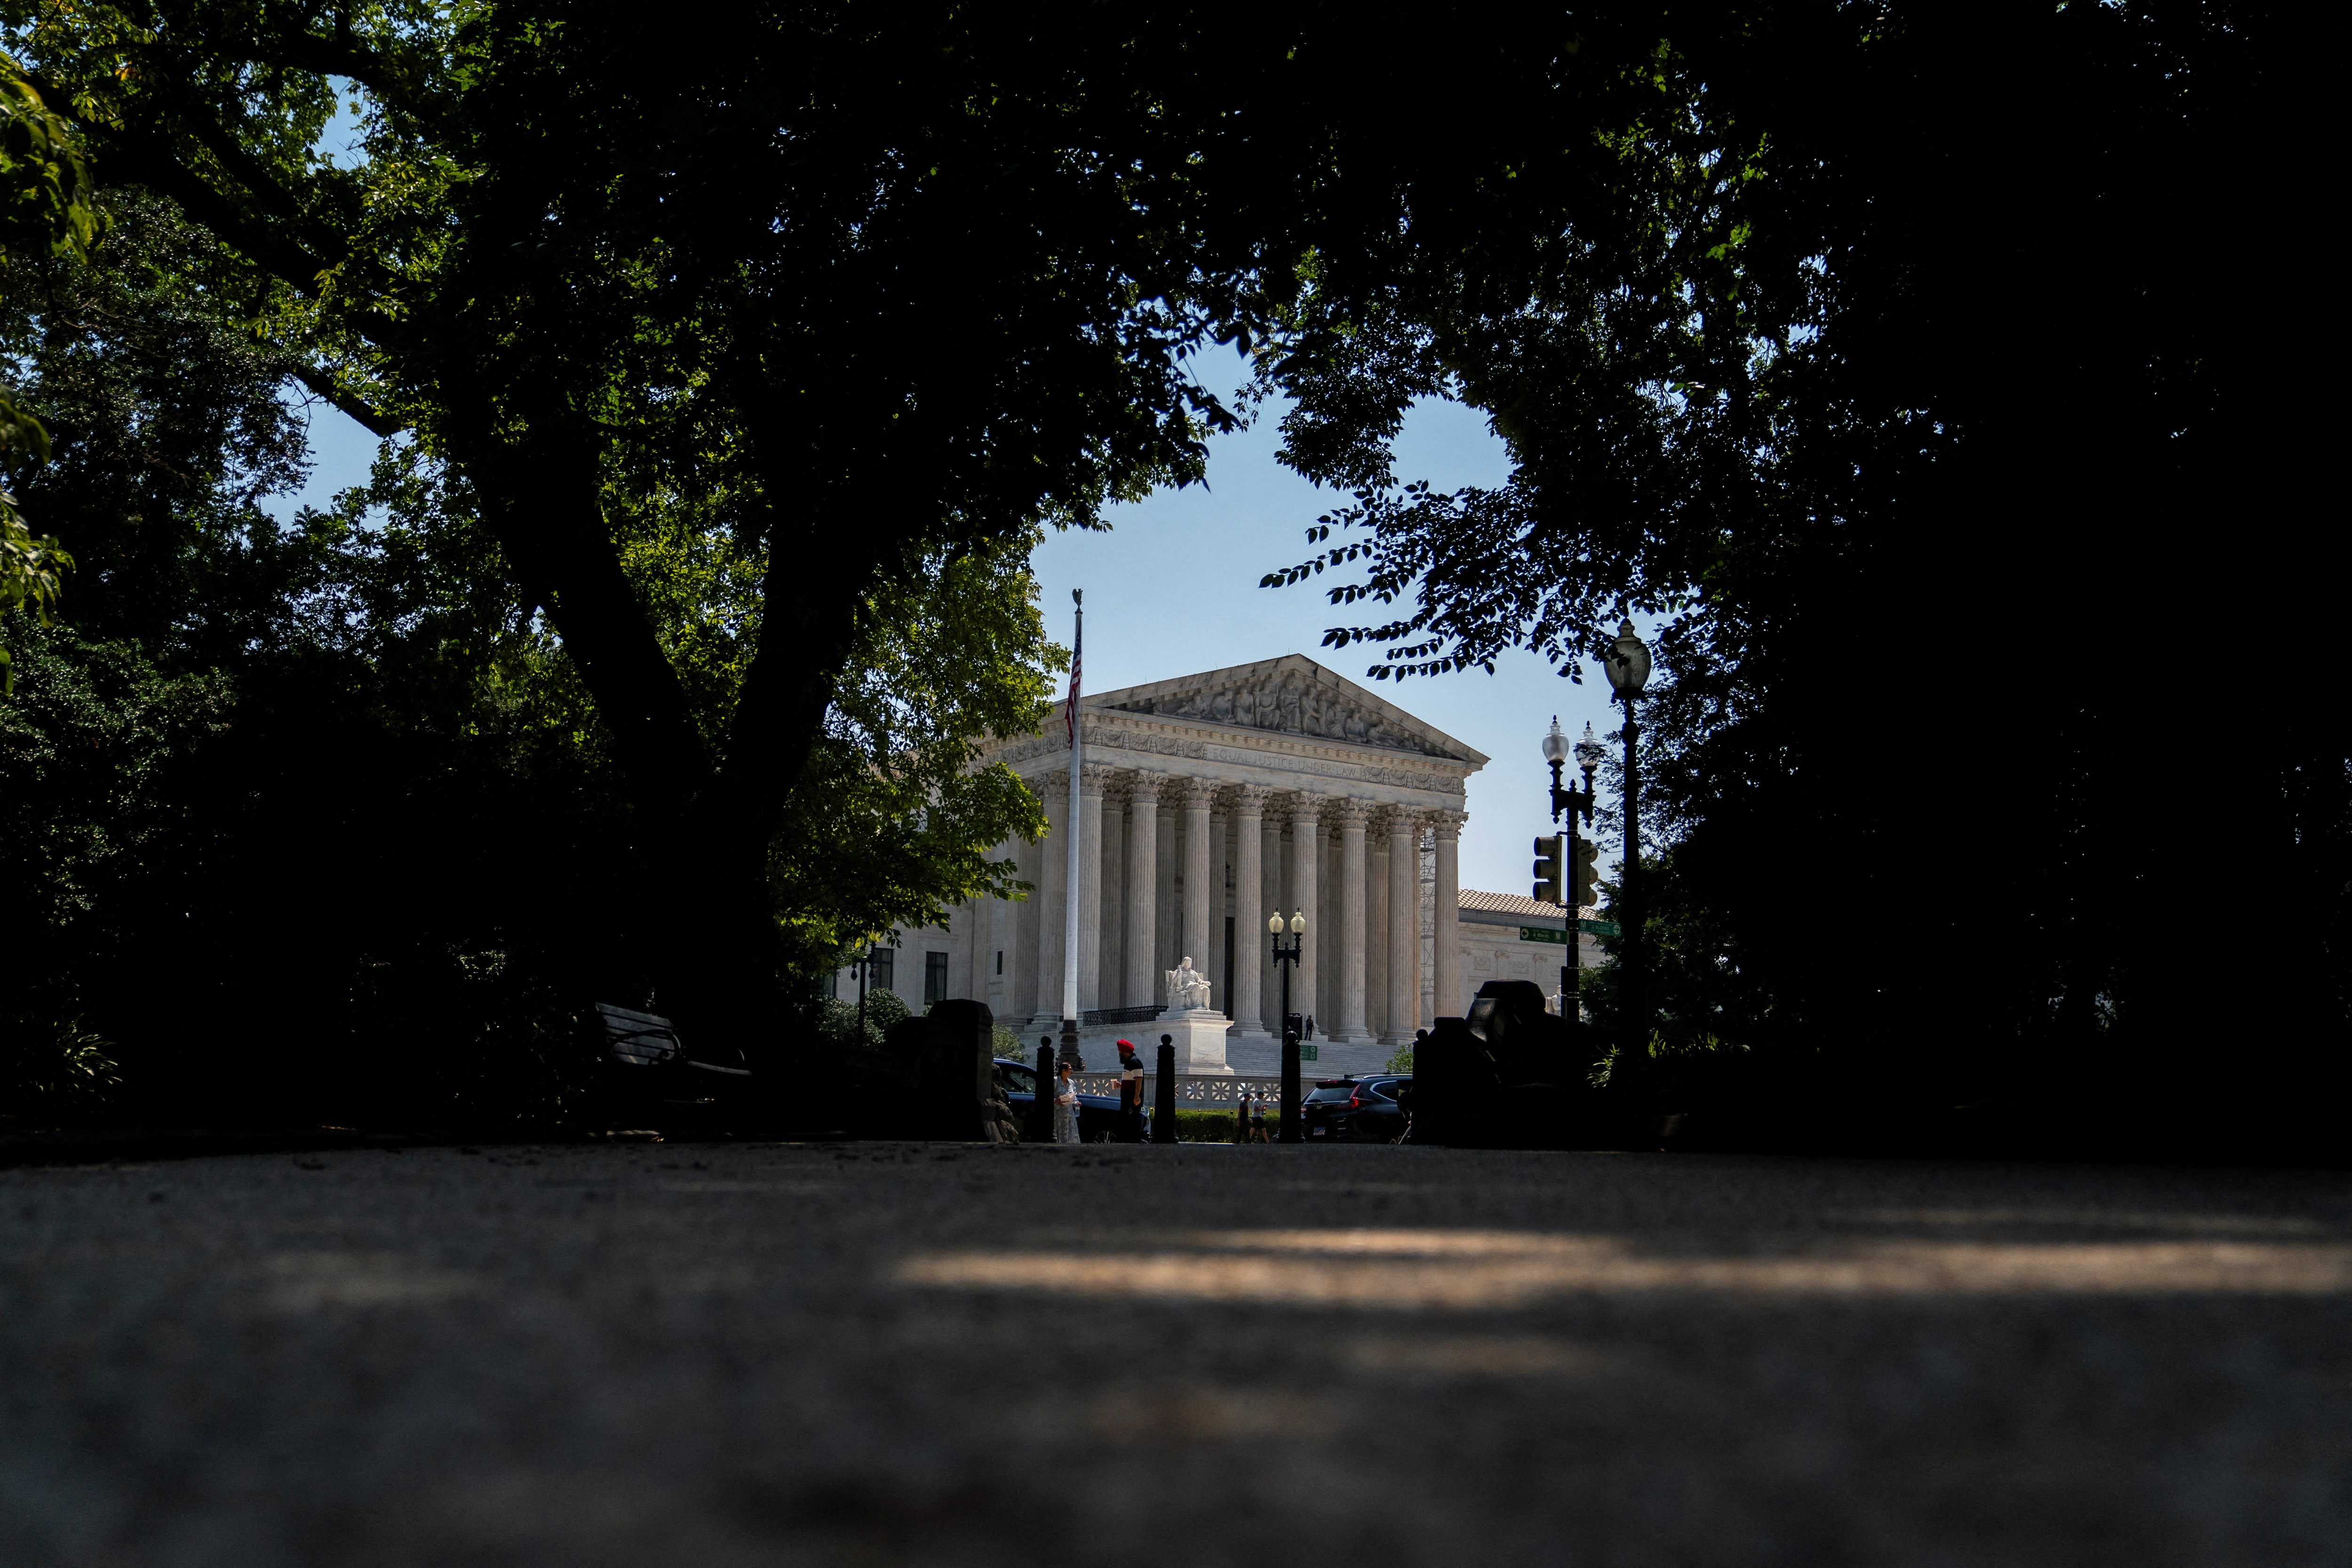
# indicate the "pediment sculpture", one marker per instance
pixel 1288 705
pixel 1188 988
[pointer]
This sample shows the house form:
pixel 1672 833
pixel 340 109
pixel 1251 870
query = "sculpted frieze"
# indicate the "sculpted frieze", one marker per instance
pixel 1289 706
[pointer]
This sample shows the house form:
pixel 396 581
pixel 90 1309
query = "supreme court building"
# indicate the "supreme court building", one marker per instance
pixel 1206 803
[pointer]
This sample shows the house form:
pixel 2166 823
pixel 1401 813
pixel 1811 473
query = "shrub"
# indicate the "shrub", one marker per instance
pixel 54 1071
pixel 1210 1126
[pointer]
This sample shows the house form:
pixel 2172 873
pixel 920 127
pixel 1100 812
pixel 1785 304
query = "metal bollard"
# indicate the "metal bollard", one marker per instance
pixel 1291 1133
pixel 1041 1111
pixel 1163 1102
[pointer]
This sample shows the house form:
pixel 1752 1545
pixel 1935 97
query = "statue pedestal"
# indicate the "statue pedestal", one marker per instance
pixel 1199 1034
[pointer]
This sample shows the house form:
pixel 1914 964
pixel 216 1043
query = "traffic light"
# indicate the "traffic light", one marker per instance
pixel 1548 869
pixel 1584 871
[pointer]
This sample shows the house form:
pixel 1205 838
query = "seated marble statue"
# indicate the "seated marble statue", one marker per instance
pixel 1187 986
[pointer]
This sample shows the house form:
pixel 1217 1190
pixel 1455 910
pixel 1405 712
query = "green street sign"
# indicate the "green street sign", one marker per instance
pixel 1538 933
pixel 1598 927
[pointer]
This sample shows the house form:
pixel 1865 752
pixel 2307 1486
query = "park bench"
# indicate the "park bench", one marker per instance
pixel 646 1056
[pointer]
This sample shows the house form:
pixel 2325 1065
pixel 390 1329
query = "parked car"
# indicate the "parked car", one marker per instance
pixel 1097 1113
pixel 1371 1113
pixel 1319 1111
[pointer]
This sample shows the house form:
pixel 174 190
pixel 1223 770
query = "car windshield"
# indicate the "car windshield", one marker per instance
pixel 1017 1080
pixel 1330 1092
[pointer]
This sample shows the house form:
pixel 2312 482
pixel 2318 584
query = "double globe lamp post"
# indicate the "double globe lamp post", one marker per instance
pixel 1286 956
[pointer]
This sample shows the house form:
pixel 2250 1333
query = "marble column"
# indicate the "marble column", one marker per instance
pixel 1376 926
pixel 1347 1025
pixel 1451 1001
pixel 1270 870
pixel 1143 889
pixel 1201 878
pixel 1404 925
pixel 1021 936
pixel 1092 778
pixel 1110 965
pixel 1306 886
pixel 1052 900
pixel 1168 907
pixel 1246 1005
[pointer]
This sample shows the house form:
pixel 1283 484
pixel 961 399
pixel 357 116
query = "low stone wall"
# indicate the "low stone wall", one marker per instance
pixel 1204 1092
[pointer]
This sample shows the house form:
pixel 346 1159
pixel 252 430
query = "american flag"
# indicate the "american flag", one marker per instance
pixel 1070 715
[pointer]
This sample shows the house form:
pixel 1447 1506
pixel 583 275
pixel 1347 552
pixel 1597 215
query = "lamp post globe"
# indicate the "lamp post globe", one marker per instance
pixel 1555 745
pixel 1589 751
pixel 1626 662
pixel 1274 924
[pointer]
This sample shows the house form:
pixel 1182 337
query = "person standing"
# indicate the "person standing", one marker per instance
pixel 1130 1094
pixel 1241 1114
pixel 1066 1107
pixel 1257 1119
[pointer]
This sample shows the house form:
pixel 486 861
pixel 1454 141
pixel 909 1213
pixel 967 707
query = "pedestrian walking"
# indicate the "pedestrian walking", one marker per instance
pixel 1310 1026
pixel 1241 1115
pixel 1130 1094
pixel 1066 1107
pixel 1257 1119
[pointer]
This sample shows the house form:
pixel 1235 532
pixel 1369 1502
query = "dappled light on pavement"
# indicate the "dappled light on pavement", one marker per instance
pixel 1479 1270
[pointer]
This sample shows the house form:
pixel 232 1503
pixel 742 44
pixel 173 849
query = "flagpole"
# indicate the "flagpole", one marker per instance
pixel 1070 883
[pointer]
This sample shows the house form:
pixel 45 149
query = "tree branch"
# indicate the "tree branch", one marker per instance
pixel 378 424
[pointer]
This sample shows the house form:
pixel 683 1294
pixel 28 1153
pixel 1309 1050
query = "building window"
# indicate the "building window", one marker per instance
pixel 935 978
pixel 1000 960
pixel 883 970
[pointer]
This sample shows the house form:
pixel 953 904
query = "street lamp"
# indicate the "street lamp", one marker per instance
pixel 1285 954
pixel 1626 662
pixel 1576 802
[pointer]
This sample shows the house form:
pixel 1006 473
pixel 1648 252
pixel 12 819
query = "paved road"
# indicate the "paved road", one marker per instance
pixel 883 1354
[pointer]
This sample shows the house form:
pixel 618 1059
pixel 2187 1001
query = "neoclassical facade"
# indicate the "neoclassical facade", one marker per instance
pixel 1208 802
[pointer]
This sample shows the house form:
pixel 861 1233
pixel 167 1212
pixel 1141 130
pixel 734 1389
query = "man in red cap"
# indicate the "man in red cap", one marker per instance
pixel 1130 1094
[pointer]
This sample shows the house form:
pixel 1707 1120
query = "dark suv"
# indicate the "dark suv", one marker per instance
pixel 1371 1113
pixel 1323 1107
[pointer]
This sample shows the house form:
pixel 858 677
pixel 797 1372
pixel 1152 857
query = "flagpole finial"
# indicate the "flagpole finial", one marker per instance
pixel 1077 596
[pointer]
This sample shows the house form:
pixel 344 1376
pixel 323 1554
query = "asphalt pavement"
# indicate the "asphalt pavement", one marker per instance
pixel 721 1354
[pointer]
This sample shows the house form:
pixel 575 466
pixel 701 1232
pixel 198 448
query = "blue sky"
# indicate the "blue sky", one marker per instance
pixel 1172 589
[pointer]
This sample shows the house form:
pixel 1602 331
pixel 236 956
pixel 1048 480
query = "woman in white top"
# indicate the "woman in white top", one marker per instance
pixel 1066 1107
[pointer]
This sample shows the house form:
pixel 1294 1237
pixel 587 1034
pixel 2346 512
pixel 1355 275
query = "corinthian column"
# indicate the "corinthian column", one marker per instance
pixel 1404 924
pixel 1093 777
pixel 1053 893
pixel 1245 1007
pixel 1305 868
pixel 1447 959
pixel 1348 816
pixel 1142 889
pixel 1197 795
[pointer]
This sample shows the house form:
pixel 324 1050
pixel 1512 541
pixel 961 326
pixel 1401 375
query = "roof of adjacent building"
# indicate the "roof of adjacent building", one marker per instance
pixel 1514 904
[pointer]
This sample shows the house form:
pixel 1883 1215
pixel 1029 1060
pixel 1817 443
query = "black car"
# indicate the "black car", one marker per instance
pixel 1371 1113
pixel 1099 1114
pixel 1321 1112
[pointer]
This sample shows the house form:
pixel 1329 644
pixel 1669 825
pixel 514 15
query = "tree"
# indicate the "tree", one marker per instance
pixel 1885 425
pixel 45 210
pixel 879 290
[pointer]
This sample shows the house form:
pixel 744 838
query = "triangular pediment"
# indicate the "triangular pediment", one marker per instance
pixel 1292 695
